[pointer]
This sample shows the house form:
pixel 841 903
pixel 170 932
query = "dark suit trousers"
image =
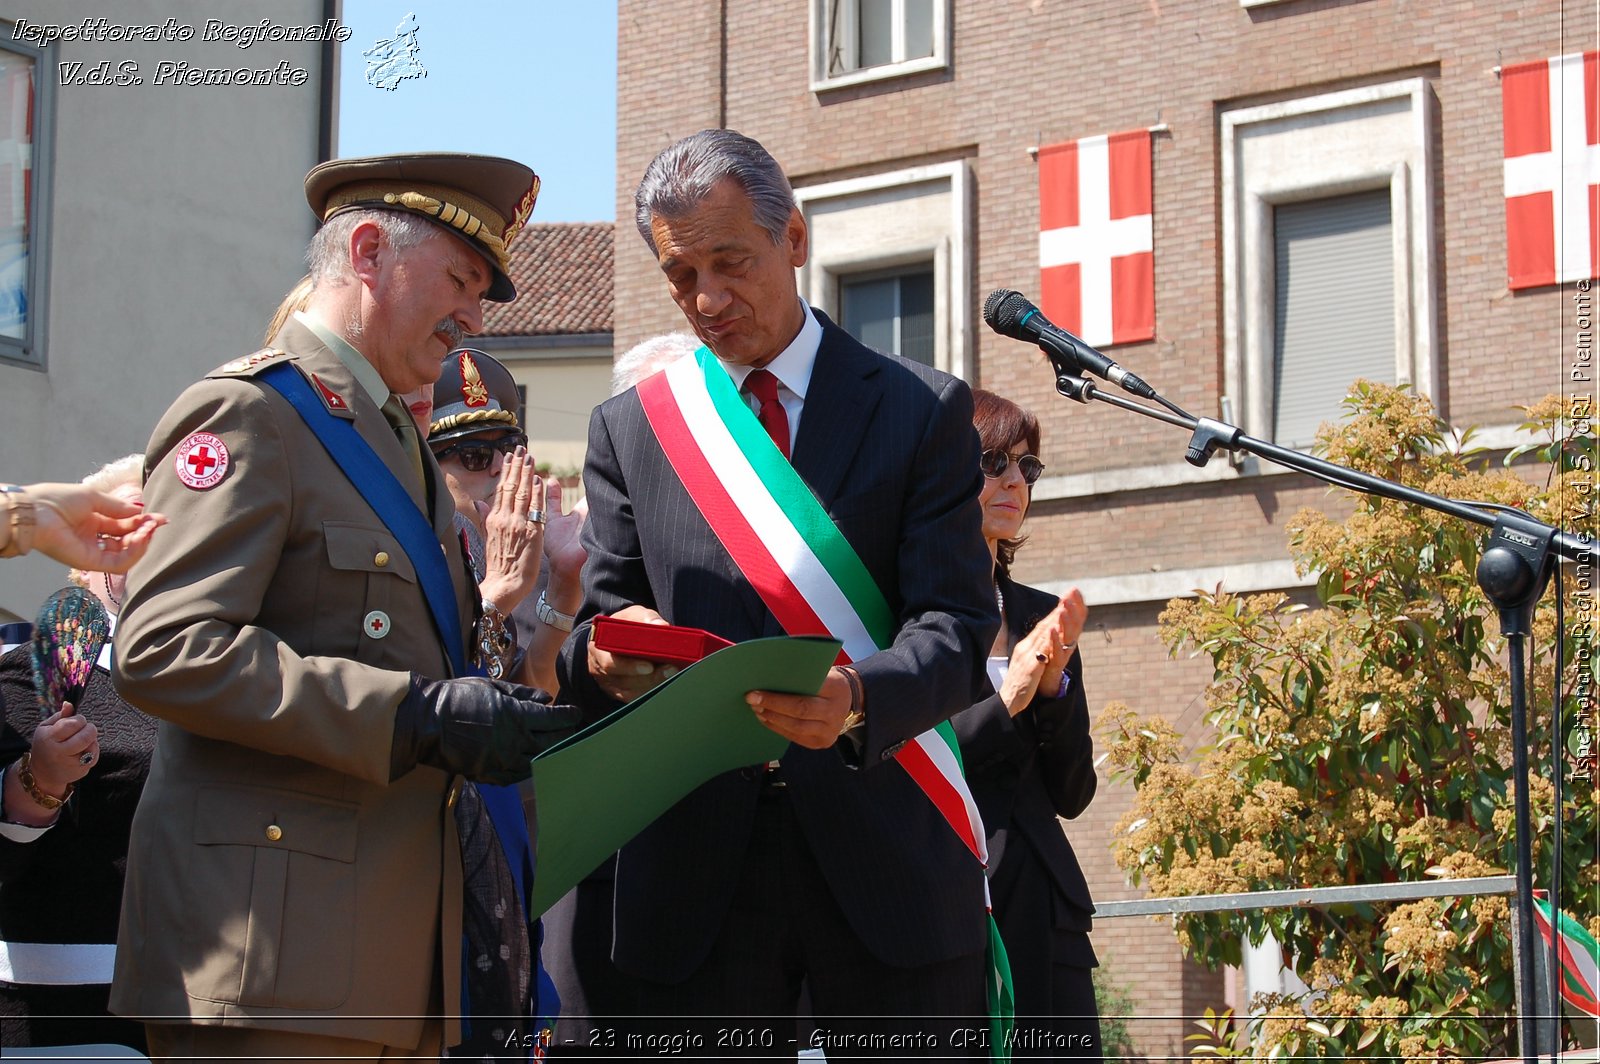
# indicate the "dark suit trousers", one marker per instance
pixel 1051 966
pixel 784 928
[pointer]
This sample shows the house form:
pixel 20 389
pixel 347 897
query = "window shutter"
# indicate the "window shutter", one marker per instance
pixel 1335 307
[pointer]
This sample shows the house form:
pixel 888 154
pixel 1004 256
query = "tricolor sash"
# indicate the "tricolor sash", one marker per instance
pixel 807 574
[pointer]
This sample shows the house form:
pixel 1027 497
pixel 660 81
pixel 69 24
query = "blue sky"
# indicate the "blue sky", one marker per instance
pixel 534 80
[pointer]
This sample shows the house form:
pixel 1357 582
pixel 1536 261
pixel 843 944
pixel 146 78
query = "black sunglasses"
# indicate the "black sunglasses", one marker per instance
pixel 993 462
pixel 478 455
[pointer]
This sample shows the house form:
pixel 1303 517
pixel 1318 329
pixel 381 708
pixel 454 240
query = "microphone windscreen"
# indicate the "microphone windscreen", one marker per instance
pixel 1004 310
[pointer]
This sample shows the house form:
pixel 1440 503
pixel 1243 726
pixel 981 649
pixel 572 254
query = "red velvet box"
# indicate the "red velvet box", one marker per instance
pixel 655 642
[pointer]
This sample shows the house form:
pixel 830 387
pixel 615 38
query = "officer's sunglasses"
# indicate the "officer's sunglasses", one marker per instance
pixel 993 462
pixel 478 455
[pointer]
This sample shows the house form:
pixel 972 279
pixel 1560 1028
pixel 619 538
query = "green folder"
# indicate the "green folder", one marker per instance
pixel 604 785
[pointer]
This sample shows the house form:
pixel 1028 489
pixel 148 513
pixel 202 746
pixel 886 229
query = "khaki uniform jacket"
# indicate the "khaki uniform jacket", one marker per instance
pixel 275 875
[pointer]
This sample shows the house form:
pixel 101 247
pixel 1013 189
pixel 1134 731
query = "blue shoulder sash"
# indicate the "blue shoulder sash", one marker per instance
pixel 388 499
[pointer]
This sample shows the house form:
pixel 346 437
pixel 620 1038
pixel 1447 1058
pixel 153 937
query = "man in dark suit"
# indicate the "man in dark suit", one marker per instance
pixel 832 868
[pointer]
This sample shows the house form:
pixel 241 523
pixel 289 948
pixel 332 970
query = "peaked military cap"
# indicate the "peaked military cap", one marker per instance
pixel 475 393
pixel 483 199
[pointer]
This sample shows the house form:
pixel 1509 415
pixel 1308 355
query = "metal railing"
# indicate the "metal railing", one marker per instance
pixel 1364 892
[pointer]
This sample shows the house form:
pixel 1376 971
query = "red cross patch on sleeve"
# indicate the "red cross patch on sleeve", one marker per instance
pixel 202 461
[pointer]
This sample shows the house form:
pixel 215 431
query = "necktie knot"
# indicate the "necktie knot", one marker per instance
pixel 395 413
pixel 764 386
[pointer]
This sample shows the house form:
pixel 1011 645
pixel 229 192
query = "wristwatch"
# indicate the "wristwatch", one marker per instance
pixel 552 616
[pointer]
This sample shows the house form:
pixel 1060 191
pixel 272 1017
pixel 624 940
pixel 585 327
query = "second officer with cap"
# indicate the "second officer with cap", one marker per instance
pixel 474 428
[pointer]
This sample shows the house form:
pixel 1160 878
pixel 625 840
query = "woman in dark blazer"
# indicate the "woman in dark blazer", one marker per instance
pixel 1029 759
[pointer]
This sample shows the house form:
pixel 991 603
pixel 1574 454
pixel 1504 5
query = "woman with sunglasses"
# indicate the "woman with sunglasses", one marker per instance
pixel 1029 759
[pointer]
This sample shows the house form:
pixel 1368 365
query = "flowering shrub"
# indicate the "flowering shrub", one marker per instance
pixel 1368 740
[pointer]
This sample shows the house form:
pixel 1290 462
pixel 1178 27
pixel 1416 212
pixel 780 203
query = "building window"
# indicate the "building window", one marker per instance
pixel 890 261
pixel 1327 253
pixel 893 314
pixel 22 111
pixel 1334 307
pixel 863 40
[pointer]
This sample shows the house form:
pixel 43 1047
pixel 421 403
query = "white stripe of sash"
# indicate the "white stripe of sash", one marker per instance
pixel 754 500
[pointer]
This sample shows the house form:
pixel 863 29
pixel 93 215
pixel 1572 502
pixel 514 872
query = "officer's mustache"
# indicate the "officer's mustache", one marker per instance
pixel 449 329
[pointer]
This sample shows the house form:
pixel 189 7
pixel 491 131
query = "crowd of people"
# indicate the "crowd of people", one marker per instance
pixel 291 815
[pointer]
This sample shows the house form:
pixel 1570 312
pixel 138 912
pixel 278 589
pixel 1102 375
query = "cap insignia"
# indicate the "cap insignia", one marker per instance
pixel 473 391
pixel 519 217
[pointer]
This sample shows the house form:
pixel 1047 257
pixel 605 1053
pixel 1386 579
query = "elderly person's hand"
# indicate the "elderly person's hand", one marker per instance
pixel 64 748
pixel 79 526
pixel 564 553
pixel 513 543
pixel 562 547
pixel 1040 657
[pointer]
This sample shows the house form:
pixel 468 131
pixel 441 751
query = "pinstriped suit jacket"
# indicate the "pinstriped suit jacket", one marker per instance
pixel 888 448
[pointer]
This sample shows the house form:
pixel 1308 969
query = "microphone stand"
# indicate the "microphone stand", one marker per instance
pixel 1513 572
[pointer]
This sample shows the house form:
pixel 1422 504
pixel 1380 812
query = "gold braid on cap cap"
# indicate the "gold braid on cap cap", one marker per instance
pixel 474 417
pixel 473 218
pixel 450 214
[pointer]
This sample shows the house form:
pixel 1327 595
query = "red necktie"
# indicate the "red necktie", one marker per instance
pixel 764 386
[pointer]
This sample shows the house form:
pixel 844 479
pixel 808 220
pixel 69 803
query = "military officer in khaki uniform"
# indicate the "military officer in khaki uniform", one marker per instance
pixel 294 876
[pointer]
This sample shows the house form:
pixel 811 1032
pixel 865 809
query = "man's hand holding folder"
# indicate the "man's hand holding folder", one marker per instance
pixel 635 649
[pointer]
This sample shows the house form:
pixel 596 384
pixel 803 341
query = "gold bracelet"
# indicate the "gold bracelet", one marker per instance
pixel 19 521
pixel 31 785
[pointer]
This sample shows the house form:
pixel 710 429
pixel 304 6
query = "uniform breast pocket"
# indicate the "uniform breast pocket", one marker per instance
pixel 368 576
pixel 275 880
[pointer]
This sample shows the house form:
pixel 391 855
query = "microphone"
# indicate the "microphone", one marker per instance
pixel 1010 314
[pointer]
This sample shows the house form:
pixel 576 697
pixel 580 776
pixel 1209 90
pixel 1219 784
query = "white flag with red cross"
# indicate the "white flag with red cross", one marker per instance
pixel 1552 169
pixel 1096 248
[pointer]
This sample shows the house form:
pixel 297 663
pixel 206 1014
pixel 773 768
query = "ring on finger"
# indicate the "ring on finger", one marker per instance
pixel 536 516
pixel 86 758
